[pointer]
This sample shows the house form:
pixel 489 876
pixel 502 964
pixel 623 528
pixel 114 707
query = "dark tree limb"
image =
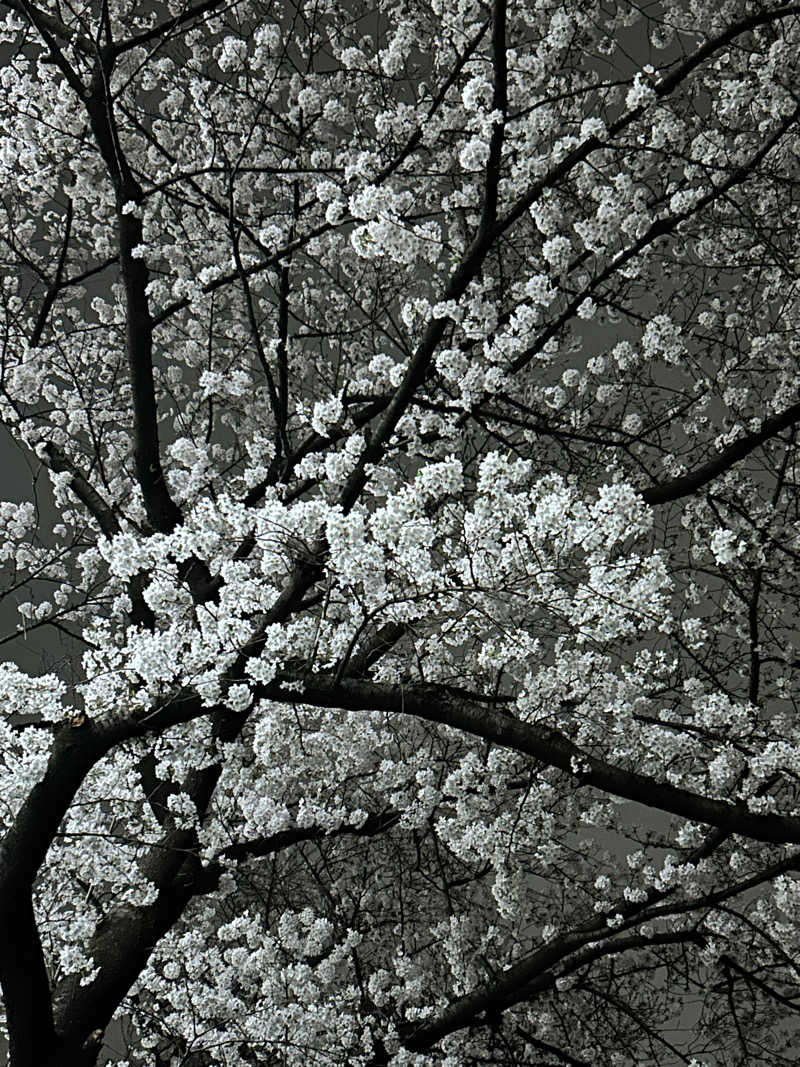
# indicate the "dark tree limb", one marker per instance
pixel 660 228
pixel 125 939
pixel 100 511
pixel 163 30
pixel 524 981
pixel 53 27
pixel 24 981
pixel 544 743
pixel 499 103
pixel 687 484
pixel 56 285
pixel 662 89
pixel 162 512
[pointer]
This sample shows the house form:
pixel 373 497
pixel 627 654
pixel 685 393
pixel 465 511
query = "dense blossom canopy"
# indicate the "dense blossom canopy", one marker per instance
pixel 417 385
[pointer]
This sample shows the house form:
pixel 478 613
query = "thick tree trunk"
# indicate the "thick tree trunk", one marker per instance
pixel 54 1054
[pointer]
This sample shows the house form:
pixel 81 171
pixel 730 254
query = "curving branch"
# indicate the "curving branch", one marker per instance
pixel 55 29
pixel 524 981
pixel 687 484
pixel 164 30
pixel 544 743
pixel 125 938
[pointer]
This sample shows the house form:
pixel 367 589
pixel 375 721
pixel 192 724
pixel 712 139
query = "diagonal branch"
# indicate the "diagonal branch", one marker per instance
pixel 164 29
pixel 660 228
pixel 662 89
pixel 486 236
pixel 687 484
pixel 544 743
pixel 262 265
pixel 415 139
pixel 100 511
pixel 268 846
pixel 78 746
pixel 56 285
pixel 55 29
pixel 533 975
pixel 49 30
pixel 125 939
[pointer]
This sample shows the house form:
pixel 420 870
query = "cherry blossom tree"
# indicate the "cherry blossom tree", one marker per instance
pixel 417 386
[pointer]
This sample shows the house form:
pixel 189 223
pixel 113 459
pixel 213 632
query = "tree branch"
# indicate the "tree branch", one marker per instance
pixel 687 484
pixel 55 29
pixel 294 245
pixel 24 982
pixel 83 489
pixel 522 982
pixel 56 285
pixel 662 89
pixel 162 511
pixel 125 939
pixel 662 227
pixel 166 28
pixel 544 743
pixel 499 103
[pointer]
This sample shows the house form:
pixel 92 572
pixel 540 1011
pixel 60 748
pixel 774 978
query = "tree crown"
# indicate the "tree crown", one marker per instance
pixel 417 390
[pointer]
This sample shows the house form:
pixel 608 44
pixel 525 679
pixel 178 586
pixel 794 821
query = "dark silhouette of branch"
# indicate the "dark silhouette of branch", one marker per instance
pixel 103 515
pixel 524 981
pixel 544 743
pixel 164 30
pixel 56 285
pixel 687 484
pixel 125 938
pixel 52 27
pixel 662 89
pixel 161 509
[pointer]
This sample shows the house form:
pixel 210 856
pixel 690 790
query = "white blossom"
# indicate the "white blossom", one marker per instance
pixel 399 414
